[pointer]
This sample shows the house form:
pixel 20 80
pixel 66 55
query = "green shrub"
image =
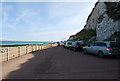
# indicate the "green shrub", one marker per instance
pixel 114 37
pixel 86 34
pixel 113 10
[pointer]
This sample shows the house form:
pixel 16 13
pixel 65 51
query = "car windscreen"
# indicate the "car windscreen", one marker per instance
pixel 79 43
pixel 115 44
pixel 69 43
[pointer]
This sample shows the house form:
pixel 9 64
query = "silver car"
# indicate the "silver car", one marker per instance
pixel 103 48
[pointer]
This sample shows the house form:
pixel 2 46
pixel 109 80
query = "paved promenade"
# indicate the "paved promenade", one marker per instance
pixel 60 63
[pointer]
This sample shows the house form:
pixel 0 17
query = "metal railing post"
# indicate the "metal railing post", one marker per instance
pixel 26 49
pixel 32 47
pixel 18 51
pixel 36 47
pixel 8 54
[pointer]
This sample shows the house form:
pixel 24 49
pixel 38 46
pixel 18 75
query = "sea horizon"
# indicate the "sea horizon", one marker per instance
pixel 14 42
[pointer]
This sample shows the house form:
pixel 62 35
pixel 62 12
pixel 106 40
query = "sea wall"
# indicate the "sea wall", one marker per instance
pixel 8 53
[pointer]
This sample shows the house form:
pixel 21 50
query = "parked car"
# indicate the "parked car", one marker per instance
pixel 64 43
pixel 58 43
pixel 77 45
pixel 68 44
pixel 103 48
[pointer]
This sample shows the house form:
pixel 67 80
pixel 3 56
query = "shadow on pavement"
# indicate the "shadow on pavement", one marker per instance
pixel 39 64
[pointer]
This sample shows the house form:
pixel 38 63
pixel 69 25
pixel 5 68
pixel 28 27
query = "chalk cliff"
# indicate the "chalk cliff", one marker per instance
pixel 104 20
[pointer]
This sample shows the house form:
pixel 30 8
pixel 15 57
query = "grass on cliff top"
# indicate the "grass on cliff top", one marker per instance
pixel 114 37
pixel 86 34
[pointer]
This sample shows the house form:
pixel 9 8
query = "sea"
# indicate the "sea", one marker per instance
pixel 23 42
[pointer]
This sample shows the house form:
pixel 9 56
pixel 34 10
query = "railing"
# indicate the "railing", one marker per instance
pixel 7 53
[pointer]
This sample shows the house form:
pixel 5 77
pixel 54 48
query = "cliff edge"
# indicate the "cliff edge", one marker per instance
pixel 103 23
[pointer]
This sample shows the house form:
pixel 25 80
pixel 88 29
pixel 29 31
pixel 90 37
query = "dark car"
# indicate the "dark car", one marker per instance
pixel 77 45
pixel 58 43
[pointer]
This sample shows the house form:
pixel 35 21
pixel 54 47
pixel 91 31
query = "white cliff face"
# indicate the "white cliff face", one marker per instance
pixel 107 28
pixel 100 21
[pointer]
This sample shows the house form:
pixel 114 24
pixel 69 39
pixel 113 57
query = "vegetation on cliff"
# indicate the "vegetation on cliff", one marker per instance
pixel 84 35
pixel 114 37
pixel 113 10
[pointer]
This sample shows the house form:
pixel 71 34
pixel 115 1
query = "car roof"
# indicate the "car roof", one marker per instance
pixel 78 41
pixel 105 41
pixel 69 41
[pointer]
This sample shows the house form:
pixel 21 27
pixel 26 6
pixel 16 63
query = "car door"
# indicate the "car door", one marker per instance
pixel 90 48
pixel 96 47
pixel 72 45
pixel 99 47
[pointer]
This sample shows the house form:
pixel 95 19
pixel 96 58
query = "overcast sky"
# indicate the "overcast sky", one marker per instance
pixel 49 21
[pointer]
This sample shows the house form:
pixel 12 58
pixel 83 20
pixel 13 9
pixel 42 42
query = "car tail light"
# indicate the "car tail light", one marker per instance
pixel 108 47
pixel 77 46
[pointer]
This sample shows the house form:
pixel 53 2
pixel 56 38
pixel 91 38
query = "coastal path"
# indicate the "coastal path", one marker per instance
pixel 60 63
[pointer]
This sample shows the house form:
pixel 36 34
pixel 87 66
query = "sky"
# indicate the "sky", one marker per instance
pixel 43 21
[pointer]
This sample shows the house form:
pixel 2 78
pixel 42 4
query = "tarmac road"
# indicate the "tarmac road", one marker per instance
pixel 61 63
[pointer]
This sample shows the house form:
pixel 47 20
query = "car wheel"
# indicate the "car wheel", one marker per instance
pixel 101 54
pixel 74 49
pixel 115 56
pixel 84 51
